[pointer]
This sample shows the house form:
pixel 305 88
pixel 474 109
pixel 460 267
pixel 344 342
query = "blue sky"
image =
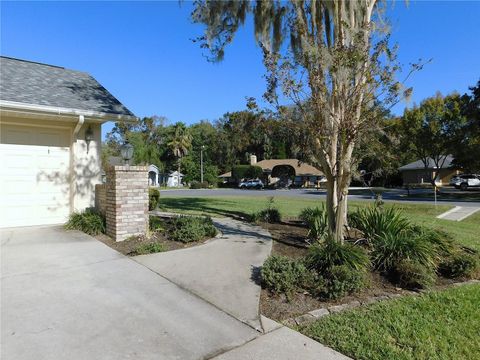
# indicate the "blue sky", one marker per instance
pixel 142 52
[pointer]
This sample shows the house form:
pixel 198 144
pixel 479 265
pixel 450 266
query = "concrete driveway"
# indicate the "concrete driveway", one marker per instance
pixel 67 296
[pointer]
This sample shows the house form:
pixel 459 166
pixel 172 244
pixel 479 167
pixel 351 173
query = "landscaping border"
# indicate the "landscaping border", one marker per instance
pixel 321 312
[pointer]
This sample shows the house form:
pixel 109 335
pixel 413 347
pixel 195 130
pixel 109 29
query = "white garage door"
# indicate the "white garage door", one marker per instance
pixel 34 175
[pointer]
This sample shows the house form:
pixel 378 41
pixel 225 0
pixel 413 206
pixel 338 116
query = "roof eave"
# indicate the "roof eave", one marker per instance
pixel 32 109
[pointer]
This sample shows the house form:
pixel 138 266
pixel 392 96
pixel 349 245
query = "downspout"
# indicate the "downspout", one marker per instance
pixel 78 126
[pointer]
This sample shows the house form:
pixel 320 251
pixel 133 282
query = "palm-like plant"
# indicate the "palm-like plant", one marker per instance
pixel 180 143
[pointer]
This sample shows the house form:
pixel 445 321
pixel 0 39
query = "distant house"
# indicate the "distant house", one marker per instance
pixel 416 172
pixel 175 179
pixel 282 171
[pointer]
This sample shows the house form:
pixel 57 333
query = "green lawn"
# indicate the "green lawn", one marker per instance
pixel 466 231
pixel 288 206
pixel 437 325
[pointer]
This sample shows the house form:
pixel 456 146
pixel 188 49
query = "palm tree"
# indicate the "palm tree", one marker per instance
pixel 180 144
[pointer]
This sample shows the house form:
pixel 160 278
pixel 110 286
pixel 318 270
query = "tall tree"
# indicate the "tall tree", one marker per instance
pixel 467 151
pixel 180 142
pixel 431 131
pixel 335 64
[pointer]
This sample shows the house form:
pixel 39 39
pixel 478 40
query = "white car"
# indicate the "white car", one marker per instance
pixel 251 184
pixel 465 181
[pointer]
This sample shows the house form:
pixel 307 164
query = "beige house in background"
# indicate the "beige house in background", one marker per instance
pixel 50 138
pixel 305 175
pixel 415 173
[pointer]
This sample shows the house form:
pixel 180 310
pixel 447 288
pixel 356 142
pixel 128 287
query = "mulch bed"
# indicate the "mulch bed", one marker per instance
pixel 128 246
pixel 289 239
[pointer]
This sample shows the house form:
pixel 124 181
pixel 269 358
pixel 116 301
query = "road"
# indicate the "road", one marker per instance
pixel 362 194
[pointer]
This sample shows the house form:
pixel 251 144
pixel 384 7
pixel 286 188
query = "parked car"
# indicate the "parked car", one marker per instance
pixel 251 184
pixel 465 181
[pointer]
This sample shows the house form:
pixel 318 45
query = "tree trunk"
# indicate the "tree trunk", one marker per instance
pixel 331 205
pixel 341 214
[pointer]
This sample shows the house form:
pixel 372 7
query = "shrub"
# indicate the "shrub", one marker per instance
pixel 90 222
pixel 153 198
pixel 199 185
pixel 374 221
pixel 316 221
pixel 283 275
pixel 270 216
pixel 246 171
pixel 190 228
pixel 342 280
pixel 389 249
pixel 323 257
pixel 443 244
pixel 155 223
pixel 412 275
pixel 459 265
pixel 149 248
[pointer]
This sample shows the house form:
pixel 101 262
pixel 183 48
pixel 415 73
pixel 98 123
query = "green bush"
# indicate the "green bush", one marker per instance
pixel 153 198
pixel 191 228
pixel 90 222
pixel 443 244
pixel 390 249
pixel 317 222
pixel 373 221
pixel 459 265
pixel 199 185
pixel 283 275
pixel 155 223
pixel 246 172
pixel 270 216
pixel 342 280
pixel 149 248
pixel 323 257
pixel 412 275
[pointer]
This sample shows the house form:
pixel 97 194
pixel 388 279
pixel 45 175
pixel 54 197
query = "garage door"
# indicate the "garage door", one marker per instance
pixel 34 175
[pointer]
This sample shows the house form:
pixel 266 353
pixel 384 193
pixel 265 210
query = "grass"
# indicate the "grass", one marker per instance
pixel 436 325
pixel 465 232
pixel 150 248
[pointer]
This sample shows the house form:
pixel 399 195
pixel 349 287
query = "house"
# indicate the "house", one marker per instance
pixel 154 175
pixel 282 171
pixel 416 172
pixel 50 138
pixel 175 179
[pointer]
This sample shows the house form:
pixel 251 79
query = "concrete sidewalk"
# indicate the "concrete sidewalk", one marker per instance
pixel 222 271
pixel 282 344
pixel 458 213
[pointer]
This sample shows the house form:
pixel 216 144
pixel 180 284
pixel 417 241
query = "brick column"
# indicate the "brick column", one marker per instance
pixel 126 201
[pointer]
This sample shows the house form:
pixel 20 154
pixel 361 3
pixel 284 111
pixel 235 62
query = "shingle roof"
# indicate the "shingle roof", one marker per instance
pixel 28 82
pixel 416 165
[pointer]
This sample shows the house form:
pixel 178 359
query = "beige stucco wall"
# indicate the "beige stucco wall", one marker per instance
pixel 86 167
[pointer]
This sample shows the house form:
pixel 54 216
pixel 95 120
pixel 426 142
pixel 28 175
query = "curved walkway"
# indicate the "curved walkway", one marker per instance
pixel 223 271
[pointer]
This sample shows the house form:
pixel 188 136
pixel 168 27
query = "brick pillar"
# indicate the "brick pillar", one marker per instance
pixel 126 201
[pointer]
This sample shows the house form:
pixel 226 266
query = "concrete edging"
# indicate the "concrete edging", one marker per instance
pixel 326 311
